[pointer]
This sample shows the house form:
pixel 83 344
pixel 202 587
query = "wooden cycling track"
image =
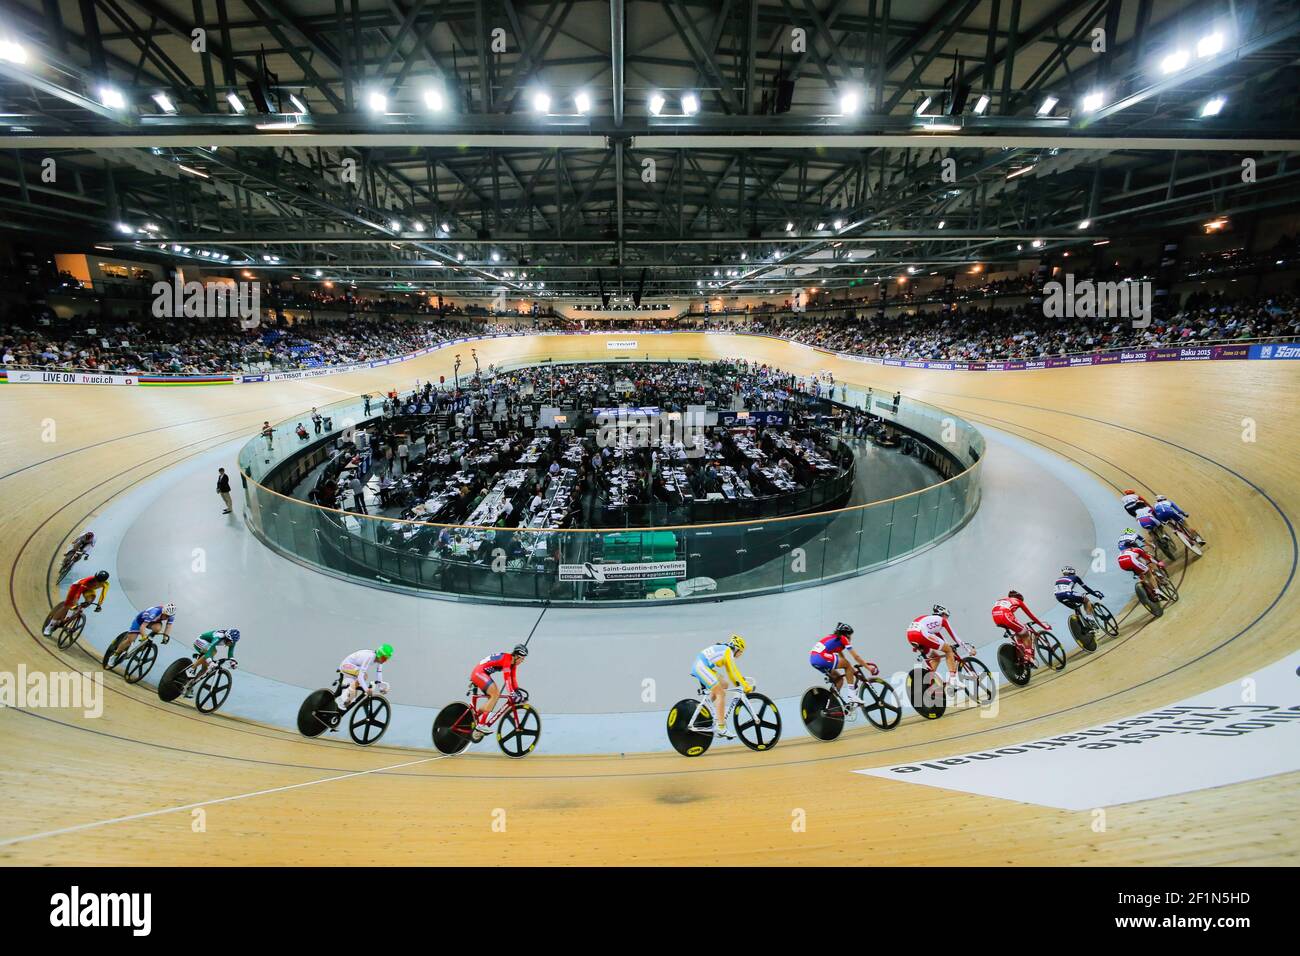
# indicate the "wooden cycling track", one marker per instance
pixel 127 788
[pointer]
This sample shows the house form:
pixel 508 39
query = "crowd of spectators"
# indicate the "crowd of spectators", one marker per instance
pixel 141 344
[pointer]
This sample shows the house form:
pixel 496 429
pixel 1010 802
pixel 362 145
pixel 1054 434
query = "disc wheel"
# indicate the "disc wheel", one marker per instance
pixel 1010 665
pixel 141 662
pixel 822 712
pixel 172 684
pixel 453 728
pixel 519 731
pixel 318 702
pixel 688 742
pixel 758 725
pixel 369 720
pixel 1081 633
pixel 109 660
pixel 1050 651
pixel 925 692
pixel 213 689
pixel 881 703
pixel 1144 599
pixel 1107 620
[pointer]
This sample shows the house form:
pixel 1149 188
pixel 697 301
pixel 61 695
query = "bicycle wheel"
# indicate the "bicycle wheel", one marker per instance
pixel 65 567
pixel 141 662
pixel 369 720
pixel 316 710
pixel 213 689
pixel 452 728
pixel 881 703
pixel 110 659
pixel 1166 545
pixel 1189 542
pixel 682 720
pixel 1166 586
pixel 1049 651
pixel 1145 600
pixel 1011 666
pixel 172 684
pixel 1107 620
pixel 70 633
pixel 1081 633
pixel 519 730
pixel 925 692
pixel 50 617
pixel 822 712
pixel 758 724
pixel 977 683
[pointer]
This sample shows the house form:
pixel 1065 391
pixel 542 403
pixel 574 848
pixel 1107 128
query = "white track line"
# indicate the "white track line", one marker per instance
pixel 206 803
pixel 341 391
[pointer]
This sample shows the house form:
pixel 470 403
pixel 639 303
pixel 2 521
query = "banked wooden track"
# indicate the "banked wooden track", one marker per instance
pixel 267 796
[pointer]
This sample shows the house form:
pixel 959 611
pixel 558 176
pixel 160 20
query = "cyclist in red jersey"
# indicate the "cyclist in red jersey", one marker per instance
pixel 507 663
pixel 1004 615
pixel 84 591
pixel 1140 564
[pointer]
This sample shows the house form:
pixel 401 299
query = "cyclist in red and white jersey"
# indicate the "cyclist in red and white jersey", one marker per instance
pixel 1133 501
pixel 930 634
pixel 1135 559
pixel 1004 615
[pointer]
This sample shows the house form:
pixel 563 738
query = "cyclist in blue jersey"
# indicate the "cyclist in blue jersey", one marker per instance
pixel 830 656
pixel 1169 513
pixel 160 617
pixel 1072 592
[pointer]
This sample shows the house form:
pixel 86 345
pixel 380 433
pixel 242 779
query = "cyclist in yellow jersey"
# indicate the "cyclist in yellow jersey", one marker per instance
pixel 706 672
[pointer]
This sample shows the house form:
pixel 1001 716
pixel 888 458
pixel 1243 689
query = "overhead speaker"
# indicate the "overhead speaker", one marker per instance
pixel 262 97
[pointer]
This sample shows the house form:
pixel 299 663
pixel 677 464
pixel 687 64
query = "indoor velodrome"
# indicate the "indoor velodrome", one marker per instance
pixel 654 434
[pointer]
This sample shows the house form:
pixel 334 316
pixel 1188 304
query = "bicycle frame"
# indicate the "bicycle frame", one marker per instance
pixel 731 691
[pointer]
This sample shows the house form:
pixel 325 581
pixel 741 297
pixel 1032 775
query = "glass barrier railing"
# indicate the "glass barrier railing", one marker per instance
pixel 693 561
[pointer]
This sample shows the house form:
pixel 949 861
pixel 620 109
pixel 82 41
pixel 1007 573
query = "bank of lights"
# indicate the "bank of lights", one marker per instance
pixel 11 51
pixel 1213 106
pixel 112 97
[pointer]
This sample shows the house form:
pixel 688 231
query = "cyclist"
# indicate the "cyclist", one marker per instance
pixel 1147 518
pixel 1134 558
pixel 1169 512
pixel 1131 538
pixel 1004 615
pixel 207 643
pixel 84 591
pixel 924 634
pixel 1133 501
pixel 505 662
pixel 83 546
pixel 1067 591
pixel 706 672
pixel 833 650
pixel 160 617
pixel 356 666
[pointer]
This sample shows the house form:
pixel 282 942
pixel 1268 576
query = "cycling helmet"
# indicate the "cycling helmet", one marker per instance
pixel 233 634
pixel 1015 594
pixel 1068 572
pixel 101 576
pixel 1129 533
pixel 844 630
pixel 737 643
pixel 1161 498
pixel 939 609
pixel 169 608
pixel 1128 491
pixel 521 650
pixel 384 650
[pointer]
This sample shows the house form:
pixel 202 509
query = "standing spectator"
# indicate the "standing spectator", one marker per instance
pixel 316 419
pixel 898 396
pixel 358 494
pixel 223 489
pixel 269 434
pixel 403 453
pixel 365 399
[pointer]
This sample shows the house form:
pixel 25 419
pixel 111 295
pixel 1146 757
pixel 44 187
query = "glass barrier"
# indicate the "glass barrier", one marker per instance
pixel 682 562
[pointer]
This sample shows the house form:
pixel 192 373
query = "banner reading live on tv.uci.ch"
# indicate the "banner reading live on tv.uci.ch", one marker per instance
pixel 1193 353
